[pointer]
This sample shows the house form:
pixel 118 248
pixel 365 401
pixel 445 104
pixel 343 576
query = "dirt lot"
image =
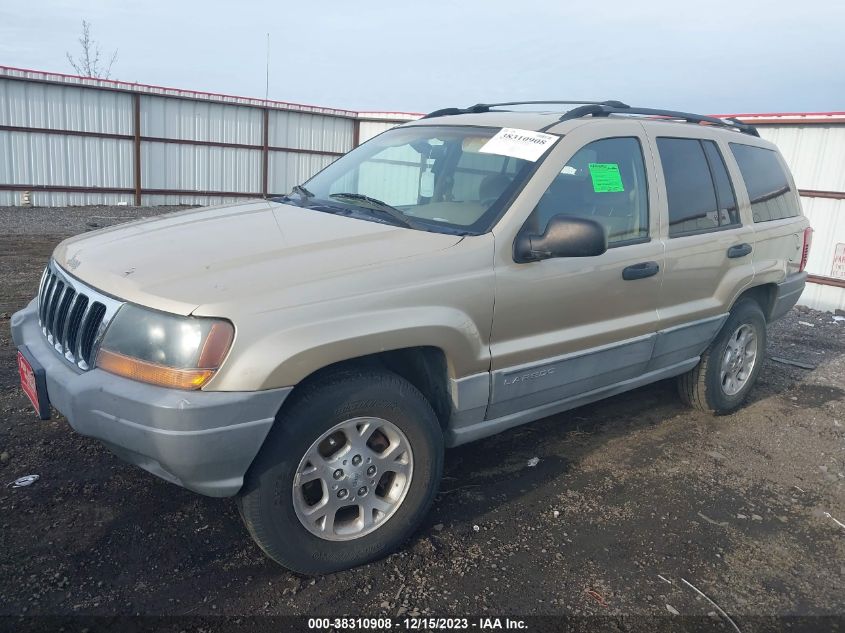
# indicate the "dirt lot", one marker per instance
pixel 629 497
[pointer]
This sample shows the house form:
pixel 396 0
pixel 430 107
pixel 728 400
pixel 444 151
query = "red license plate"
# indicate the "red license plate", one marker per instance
pixel 30 385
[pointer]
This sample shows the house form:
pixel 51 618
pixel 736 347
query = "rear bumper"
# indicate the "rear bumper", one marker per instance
pixel 787 295
pixel 202 440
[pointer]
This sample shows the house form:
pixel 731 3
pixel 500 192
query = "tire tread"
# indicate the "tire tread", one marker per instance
pixel 695 386
pixel 250 504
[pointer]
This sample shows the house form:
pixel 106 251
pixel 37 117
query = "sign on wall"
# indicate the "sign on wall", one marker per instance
pixel 837 270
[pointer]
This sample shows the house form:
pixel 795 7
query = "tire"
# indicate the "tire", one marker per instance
pixel 272 508
pixel 705 387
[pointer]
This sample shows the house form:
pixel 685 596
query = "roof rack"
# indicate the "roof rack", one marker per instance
pixel 604 109
pixel 486 107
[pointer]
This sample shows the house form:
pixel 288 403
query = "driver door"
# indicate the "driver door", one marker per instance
pixel 566 327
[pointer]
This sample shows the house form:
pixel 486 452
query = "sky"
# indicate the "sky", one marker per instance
pixel 711 57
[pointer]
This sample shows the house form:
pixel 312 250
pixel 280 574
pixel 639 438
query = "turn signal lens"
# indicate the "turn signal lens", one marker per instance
pixel 216 345
pixel 160 375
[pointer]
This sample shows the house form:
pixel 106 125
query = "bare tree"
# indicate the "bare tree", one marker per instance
pixel 88 63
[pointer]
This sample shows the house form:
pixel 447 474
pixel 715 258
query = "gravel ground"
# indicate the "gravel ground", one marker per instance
pixel 66 221
pixel 630 496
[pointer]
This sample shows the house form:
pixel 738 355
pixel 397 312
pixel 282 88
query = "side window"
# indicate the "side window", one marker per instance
pixel 766 182
pixel 604 181
pixel 725 196
pixel 698 189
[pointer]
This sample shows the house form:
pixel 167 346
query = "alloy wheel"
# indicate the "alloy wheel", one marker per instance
pixel 738 360
pixel 353 478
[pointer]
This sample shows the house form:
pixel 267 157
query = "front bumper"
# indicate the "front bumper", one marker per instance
pixel 202 440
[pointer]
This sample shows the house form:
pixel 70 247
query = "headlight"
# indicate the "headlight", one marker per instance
pixel 164 349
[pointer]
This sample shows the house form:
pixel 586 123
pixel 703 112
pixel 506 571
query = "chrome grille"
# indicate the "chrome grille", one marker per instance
pixel 72 315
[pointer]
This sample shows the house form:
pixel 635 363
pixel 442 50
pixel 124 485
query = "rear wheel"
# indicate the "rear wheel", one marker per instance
pixel 729 368
pixel 347 473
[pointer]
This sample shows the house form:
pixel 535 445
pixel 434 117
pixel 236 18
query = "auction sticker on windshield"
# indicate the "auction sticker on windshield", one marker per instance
pixel 516 143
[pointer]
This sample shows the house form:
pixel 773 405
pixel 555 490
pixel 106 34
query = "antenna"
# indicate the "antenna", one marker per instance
pixel 267 79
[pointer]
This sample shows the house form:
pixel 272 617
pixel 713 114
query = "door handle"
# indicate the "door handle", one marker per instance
pixel 640 271
pixel 739 250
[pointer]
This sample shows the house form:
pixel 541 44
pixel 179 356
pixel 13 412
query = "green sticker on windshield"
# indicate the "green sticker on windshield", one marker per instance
pixel 606 177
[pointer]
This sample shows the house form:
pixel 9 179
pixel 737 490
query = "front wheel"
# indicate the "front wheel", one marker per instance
pixel 728 368
pixel 347 473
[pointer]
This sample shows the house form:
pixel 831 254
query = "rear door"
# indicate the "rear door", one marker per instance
pixel 564 327
pixel 708 244
pixel 775 210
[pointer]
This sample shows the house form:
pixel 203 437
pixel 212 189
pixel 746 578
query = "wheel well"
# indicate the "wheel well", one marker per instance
pixel 764 295
pixel 424 367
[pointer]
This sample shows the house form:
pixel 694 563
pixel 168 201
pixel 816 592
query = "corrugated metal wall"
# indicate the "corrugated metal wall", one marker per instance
pixel 43 105
pixel 297 131
pixel 72 140
pixel 827 217
pixel 370 128
pixel 193 166
pixel 28 157
pixel 816 155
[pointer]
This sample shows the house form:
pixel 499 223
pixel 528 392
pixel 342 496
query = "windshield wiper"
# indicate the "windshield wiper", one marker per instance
pixel 378 205
pixel 302 192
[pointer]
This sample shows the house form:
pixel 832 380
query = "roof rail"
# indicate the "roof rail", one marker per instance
pixel 604 109
pixel 485 107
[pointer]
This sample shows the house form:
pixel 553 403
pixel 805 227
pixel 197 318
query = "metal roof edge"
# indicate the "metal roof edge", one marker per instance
pixel 769 114
pixel 788 118
pixel 12 72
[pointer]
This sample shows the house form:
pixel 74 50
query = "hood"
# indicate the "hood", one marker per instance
pixel 180 261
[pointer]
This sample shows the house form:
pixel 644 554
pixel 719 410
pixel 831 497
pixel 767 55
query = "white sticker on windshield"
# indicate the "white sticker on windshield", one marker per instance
pixel 517 143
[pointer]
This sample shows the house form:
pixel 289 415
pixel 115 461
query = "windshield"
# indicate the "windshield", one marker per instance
pixel 435 178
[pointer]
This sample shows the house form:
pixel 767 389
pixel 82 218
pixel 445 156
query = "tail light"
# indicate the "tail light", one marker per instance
pixel 805 250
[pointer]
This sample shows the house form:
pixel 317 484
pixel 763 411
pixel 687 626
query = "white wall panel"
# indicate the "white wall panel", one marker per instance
pixel 296 130
pixel 820 297
pixel 65 198
pixel 287 169
pixel 814 153
pixel 369 129
pixel 200 121
pixel 154 200
pixel 200 168
pixel 32 158
pixel 29 104
pixel 827 217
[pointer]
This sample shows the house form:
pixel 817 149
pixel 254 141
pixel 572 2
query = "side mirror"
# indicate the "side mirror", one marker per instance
pixel 565 236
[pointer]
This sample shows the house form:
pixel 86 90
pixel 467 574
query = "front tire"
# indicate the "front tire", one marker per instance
pixel 347 473
pixel 728 369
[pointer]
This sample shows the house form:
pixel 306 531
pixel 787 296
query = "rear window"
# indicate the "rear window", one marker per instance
pixel 766 182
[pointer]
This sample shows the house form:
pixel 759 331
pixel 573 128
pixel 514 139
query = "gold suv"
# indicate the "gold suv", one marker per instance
pixel 452 278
